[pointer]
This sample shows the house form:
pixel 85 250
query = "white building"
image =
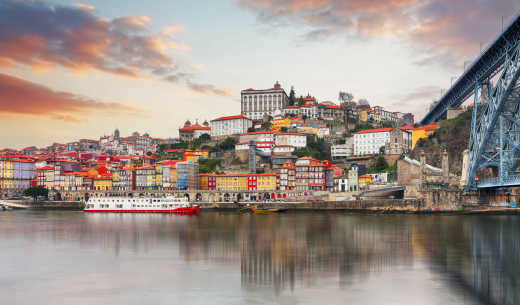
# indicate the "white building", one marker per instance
pixel 370 141
pixel 298 140
pixel 341 151
pixel 323 131
pixel 379 114
pixel 230 125
pixel 341 184
pixel 257 103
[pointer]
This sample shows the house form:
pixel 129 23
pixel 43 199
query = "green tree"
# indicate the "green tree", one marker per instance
pixel 292 97
pixel 283 129
pixel 251 129
pixel 36 191
pixel 205 138
pixel 228 144
pixel 208 165
pixel 380 164
pixel 316 148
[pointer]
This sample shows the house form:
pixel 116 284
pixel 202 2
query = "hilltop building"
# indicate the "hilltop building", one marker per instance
pixel 256 104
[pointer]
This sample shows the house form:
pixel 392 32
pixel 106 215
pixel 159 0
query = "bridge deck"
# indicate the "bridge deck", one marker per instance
pixel 484 67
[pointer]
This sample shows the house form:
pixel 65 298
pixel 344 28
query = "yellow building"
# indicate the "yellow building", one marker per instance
pixel 231 182
pixel 364 116
pixel 158 179
pixel 103 183
pixel 363 180
pixel 277 124
pixel 194 155
pixel 6 174
pixel 266 182
pixel 422 132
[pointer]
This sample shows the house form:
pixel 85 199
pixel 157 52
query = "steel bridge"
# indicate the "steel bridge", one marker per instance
pixel 495 128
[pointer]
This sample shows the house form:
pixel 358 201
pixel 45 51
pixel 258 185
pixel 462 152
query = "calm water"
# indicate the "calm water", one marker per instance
pixel 227 258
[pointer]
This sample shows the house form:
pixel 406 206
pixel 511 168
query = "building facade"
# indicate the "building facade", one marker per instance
pixel 230 125
pixel 256 104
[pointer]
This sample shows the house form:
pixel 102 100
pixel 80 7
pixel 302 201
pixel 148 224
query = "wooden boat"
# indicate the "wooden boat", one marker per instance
pixel 266 210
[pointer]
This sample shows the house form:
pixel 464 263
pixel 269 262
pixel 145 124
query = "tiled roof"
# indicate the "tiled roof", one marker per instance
pixel 256 132
pixel 374 130
pixel 233 117
pixel 428 127
pixel 195 127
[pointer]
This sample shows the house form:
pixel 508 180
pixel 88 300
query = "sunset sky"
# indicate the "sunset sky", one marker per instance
pixel 71 70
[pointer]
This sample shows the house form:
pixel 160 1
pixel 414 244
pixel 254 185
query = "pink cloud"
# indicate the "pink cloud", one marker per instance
pixel 23 97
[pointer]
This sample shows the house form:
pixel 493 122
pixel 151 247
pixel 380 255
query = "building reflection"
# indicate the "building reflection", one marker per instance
pixel 477 256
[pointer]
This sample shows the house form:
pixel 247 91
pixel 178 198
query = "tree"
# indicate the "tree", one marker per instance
pixel 208 165
pixel 283 129
pixel 228 144
pixel 292 97
pixel 36 191
pixel 205 138
pixel 251 129
pixel 345 96
pixel 364 102
pixel 381 164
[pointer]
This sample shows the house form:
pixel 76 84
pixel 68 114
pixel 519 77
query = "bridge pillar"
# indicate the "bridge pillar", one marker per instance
pixel 445 167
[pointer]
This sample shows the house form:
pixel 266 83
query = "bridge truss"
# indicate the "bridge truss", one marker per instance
pixel 488 64
pixel 495 131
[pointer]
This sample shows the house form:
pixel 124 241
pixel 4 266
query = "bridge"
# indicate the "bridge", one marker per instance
pixel 495 128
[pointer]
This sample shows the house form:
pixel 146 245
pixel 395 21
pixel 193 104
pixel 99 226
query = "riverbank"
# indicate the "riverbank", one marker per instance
pixel 375 206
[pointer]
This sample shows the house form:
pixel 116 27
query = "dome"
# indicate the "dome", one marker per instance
pixel 205 123
pixel 187 123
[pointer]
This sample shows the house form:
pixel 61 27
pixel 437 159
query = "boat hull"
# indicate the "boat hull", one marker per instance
pixel 186 210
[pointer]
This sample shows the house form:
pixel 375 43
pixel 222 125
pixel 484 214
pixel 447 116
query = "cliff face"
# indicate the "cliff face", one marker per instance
pixel 452 135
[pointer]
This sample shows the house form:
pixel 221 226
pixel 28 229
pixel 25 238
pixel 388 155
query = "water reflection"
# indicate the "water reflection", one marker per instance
pixel 476 259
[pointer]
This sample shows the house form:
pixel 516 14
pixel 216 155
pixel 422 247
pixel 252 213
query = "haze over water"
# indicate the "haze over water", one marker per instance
pixel 228 258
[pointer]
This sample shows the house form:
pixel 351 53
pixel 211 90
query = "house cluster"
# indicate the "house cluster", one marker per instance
pixel 71 171
pixel 391 141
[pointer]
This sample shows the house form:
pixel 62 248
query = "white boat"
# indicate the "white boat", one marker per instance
pixel 178 205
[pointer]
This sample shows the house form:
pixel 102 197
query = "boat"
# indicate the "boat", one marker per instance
pixel 172 205
pixel 257 210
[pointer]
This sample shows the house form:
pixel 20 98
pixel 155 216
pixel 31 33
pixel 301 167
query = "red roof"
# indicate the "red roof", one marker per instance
pixel 290 134
pixel 257 132
pixel 195 127
pixel 233 117
pixel 332 106
pixel 44 168
pixel 428 127
pixel 374 130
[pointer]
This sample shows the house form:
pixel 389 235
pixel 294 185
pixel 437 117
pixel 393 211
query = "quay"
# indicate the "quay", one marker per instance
pixel 371 206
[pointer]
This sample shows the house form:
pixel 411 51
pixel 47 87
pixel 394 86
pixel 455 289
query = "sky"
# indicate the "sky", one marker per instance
pixel 80 69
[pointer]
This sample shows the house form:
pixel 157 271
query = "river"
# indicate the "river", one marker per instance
pixel 66 257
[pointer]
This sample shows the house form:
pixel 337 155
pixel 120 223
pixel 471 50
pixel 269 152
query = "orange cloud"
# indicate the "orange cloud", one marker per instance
pixel 42 36
pixel 452 30
pixel 23 97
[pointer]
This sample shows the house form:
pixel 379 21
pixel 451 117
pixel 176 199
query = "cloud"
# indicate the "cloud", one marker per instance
pixel 42 36
pixel 208 89
pixel 23 97
pixel 452 30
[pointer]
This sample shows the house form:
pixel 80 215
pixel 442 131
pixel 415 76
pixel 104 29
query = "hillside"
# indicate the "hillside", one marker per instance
pixel 452 135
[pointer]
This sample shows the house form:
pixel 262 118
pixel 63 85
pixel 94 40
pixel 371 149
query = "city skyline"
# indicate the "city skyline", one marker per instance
pixel 79 70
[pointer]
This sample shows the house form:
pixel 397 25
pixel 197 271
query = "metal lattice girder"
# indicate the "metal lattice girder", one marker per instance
pixel 486 66
pixel 495 130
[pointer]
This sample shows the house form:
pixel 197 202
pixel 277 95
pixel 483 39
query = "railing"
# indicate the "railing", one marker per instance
pixel 494 182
